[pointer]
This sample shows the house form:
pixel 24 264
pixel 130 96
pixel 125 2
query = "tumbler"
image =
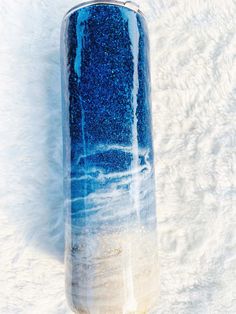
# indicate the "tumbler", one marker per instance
pixel 111 253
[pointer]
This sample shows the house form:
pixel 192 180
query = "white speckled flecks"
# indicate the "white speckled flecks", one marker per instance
pixel 193 70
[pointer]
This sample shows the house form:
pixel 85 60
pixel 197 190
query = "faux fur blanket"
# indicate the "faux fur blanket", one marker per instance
pixel 193 46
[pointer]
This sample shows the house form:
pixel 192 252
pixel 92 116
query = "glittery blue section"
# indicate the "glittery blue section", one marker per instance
pixel 107 119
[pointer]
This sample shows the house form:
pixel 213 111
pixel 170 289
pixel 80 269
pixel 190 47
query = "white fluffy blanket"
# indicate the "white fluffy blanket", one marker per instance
pixel 193 46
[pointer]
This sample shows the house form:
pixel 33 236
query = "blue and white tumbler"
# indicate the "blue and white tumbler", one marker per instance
pixel 111 233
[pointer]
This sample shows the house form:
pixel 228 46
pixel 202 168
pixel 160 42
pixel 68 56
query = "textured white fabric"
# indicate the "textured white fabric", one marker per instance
pixel 193 46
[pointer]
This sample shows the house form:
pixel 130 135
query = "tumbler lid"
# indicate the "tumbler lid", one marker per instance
pixel 128 4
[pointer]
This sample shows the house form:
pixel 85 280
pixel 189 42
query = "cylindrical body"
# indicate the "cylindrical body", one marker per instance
pixel 111 233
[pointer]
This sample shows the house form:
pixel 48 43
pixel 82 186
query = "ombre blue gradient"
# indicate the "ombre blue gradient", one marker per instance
pixel 108 153
pixel 111 238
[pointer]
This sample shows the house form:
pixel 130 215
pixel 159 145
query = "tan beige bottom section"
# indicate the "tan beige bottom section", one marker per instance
pixel 114 273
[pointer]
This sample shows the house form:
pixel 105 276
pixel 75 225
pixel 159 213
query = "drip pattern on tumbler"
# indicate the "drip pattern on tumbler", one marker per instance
pixel 111 233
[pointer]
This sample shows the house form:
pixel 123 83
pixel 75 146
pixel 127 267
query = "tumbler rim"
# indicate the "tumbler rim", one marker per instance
pixel 133 6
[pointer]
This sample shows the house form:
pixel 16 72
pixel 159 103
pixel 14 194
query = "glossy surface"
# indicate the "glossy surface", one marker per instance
pixel 111 239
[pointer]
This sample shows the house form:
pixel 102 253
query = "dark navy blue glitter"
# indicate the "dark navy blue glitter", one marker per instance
pixel 106 113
